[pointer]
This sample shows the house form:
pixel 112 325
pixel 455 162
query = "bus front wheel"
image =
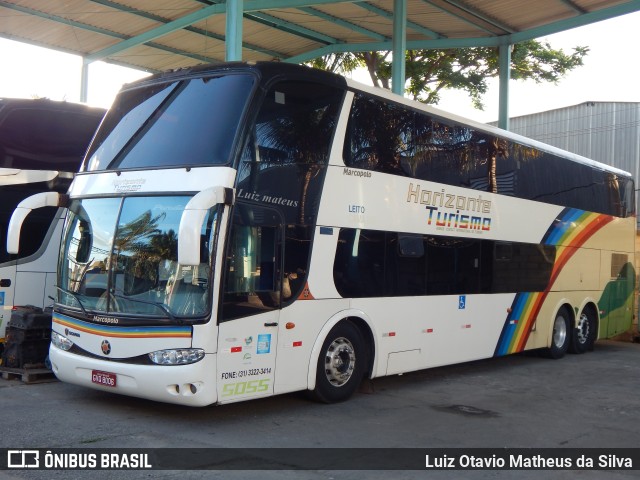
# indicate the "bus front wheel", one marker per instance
pixel 341 364
pixel 561 335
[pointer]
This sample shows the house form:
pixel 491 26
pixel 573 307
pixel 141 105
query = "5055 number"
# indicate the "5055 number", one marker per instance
pixel 245 388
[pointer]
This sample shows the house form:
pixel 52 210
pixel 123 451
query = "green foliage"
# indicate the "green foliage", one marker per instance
pixel 466 69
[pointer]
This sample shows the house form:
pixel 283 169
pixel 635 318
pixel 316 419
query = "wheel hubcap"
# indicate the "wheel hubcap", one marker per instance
pixel 583 328
pixel 340 361
pixel 559 331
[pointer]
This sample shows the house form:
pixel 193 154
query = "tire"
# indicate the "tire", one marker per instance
pixel 584 335
pixel 341 364
pixel 560 336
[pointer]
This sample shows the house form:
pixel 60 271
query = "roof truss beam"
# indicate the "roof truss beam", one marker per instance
pixel 284 26
pixel 455 14
pixel 444 43
pixel 109 33
pixel 199 15
pixel 389 16
pixel 573 6
pixel 199 31
pixel 479 15
pixel 348 25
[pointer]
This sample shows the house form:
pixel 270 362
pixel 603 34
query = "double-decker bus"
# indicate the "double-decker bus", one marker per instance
pixel 244 230
pixel 42 144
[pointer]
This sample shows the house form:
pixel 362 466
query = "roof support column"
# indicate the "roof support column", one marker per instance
pixel 84 81
pixel 398 70
pixel 505 75
pixel 233 42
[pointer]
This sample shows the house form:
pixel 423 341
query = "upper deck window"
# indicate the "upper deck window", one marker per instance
pixel 187 122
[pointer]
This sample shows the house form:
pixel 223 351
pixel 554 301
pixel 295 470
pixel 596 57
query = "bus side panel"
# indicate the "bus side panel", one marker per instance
pixel 39 270
pixel 300 327
pixel 444 329
pixel 8 277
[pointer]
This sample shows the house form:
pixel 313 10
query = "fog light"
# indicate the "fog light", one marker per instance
pixel 60 341
pixel 182 356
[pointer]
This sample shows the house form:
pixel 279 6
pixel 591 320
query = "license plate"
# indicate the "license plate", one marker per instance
pixel 103 378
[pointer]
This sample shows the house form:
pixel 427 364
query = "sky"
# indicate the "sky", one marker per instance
pixel 611 72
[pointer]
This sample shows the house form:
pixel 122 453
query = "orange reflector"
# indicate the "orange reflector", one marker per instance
pixel 290 325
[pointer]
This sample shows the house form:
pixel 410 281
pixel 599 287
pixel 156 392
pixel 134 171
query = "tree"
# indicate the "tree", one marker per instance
pixel 467 69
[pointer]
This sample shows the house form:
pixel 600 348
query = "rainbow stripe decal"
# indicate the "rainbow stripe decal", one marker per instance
pixel 122 332
pixel 569 232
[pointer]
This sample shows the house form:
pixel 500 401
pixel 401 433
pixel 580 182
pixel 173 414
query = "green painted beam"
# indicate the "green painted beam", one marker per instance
pixel 505 77
pixel 292 28
pixel 282 25
pixel 342 23
pixel 59 19
pixel 233 30
pixel 388 46
pixel 199 15
pixel 444 43
pixel 199 31
pixel 479 15
pixel 459 17
pixel 410 25
pixel 91 28
pixel 398 66
pixel 573 6
pixel 574 22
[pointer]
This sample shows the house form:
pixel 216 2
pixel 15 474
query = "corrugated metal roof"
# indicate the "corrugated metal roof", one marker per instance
pixel 282 29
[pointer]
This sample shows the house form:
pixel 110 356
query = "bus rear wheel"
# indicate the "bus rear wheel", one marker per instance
pixel 561 335
pixel 584 335
pixel 341 364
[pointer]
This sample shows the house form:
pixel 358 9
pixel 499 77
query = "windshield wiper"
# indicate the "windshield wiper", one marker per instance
pixel 159 305
pixel 77 298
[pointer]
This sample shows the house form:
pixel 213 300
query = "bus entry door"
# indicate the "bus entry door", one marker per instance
pixel 248 321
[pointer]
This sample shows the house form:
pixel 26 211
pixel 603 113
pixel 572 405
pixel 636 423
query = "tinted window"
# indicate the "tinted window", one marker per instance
pixel 46 138
pixel 287 150
pixel 390 138
pixel 190 122
pixel 378 264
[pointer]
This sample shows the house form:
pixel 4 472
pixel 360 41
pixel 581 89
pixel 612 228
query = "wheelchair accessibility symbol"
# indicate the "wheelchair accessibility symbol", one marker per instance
pixel 462 302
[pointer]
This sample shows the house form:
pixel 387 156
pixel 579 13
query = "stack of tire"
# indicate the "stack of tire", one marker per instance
pixel 27 338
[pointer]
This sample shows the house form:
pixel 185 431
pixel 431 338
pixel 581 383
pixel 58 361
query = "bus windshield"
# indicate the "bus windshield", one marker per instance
pixel 182 123
pixel 120 255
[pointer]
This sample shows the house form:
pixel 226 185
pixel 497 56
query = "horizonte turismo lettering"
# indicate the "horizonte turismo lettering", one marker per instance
pixel 461 212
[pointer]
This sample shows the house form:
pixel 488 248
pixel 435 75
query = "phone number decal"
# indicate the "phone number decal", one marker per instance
pixel 245 373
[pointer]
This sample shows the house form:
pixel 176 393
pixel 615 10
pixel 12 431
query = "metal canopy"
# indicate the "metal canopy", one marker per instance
pixel 157 35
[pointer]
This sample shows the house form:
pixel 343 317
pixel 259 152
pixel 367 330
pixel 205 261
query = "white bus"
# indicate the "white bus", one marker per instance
pixel 42 144
pixel 244 230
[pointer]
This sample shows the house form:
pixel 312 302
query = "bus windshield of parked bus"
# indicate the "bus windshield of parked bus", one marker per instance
pixel 120 255
pixel 187 122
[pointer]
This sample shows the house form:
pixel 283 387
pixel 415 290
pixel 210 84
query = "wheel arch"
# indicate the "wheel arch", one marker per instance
pixel 365 326
pixel 565 304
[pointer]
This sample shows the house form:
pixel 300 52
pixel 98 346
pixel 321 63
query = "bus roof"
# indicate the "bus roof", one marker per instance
pixel 268 71
pixel 42 134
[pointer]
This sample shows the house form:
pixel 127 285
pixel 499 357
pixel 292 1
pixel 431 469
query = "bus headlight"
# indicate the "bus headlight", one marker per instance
pixel 60 341
pixel 181 356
